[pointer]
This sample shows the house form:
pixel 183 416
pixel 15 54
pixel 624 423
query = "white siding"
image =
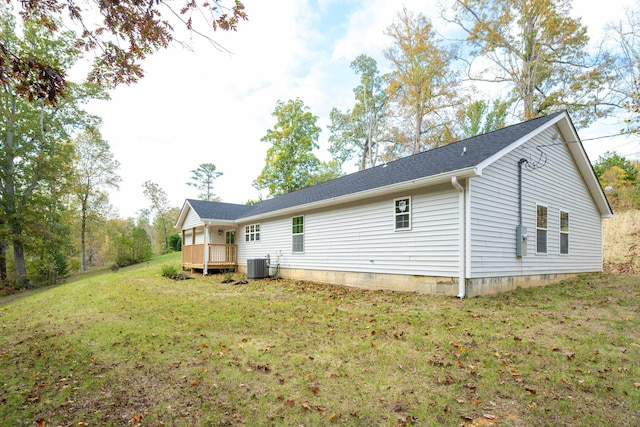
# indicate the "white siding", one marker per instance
pixel 556 184
pixel 361 237
pixel 187 238
pixel 192 220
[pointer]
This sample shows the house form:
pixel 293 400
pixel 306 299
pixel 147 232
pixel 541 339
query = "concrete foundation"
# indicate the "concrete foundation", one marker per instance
pixel 420 284
pixel 494 285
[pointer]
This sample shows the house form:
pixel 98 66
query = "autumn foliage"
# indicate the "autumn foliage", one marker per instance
pixel 123 35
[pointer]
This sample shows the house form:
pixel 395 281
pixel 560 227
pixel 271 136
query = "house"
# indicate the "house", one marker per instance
pixel 516 207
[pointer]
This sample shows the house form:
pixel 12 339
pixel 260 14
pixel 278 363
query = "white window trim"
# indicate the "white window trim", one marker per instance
pixel 249 233
pixel 298 234
pixel 395 214
pixel 540 228
pixel 560 232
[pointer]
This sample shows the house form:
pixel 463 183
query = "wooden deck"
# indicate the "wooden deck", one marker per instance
pixel 221 256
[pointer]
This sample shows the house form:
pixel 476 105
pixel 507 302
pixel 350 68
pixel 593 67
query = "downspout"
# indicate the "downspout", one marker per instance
pixel 462 262
pixel 205 268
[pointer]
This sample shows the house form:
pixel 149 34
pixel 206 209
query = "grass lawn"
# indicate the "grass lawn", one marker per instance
pixel 135 348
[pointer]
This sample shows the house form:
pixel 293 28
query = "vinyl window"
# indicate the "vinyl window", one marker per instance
pixel 541 229
pixel 403 213
pixel 297 234
pixel 252 232
pixel 564 233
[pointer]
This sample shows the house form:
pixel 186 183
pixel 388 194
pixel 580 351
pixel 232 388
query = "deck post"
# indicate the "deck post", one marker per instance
pixel 205 265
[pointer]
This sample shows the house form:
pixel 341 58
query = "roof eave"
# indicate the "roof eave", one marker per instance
pixel 469 172
pixel 583 163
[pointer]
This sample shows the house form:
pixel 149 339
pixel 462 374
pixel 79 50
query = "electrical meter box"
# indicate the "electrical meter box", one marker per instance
pixel 521 240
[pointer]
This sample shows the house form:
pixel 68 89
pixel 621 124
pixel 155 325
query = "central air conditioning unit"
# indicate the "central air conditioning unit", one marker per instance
pixel 257 268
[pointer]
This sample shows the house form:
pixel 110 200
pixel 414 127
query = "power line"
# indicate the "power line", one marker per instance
pixel 606 136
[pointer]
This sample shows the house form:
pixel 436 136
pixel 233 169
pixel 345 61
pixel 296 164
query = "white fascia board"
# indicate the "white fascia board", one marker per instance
pixel 375 192
pixel 519 142
pixel 584 167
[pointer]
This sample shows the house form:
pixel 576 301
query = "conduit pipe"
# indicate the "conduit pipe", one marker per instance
pixel 462 262
pixel 521 231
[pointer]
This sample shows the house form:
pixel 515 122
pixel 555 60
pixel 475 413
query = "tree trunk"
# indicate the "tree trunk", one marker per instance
pixel 83 232
pixel 3 263
pixel 18 256
pixel 10 204
pixel 418 130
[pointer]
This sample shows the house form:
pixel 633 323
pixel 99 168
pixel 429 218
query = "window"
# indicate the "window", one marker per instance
pixel 297 233
pixel 403 213
pixel 251 232
pixel 230 237
pixel 564 233
pixel 541 229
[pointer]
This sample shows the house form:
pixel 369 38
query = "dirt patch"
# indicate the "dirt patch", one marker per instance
pixel 621 237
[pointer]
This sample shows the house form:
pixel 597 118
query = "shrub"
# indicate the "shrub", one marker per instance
pixel 175 242
pixel 169 270
pixel 173 272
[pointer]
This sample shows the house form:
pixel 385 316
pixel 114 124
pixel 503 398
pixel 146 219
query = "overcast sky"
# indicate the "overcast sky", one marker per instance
pixel 209 106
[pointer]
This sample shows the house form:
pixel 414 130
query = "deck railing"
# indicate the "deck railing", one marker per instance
pixel 219 254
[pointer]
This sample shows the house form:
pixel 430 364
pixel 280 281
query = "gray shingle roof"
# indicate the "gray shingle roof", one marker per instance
pixel 440 160
pixel 218 210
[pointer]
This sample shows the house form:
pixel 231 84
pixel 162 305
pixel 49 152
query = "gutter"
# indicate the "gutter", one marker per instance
pixel 375 192
pixel 462 262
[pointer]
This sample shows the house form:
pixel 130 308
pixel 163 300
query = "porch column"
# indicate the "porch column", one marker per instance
pixel 205 269
pixel 182 247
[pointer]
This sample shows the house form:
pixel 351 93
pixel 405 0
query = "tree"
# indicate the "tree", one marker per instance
pixel 540 51
pixel 423 86
pixel 202 179
pixel 34 157
pixel 359 132
pixel 130 30
pixel 130 244
pixel 290 162
pixel 624 36
pixel 96 171
pixel 478 119
pixel 175 242
pixel 625 169
pixel 160 206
